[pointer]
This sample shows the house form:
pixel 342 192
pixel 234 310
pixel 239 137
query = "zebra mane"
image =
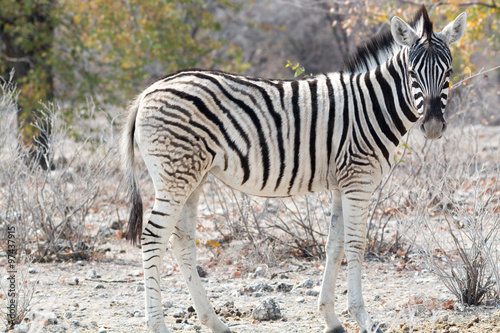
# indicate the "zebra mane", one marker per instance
pixel 380 48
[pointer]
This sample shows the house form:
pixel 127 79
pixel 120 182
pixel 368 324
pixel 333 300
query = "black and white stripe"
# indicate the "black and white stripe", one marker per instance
pixel 278 138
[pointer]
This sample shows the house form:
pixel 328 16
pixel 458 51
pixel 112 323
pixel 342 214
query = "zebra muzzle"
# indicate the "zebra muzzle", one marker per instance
pixel 433 124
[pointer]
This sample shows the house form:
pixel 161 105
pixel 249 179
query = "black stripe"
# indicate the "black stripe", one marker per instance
pixel 155 212
pixel 226 112
pixel 277 123
pixel 148 232
pixel 345 116
pixel 358 121
pixel 403 102
pixel 157 226
pixel 201 106
pixel 379 115
pixel 331 119
pixel 190 131
pixel 390 106
pixel 296 116
pixel 313 88
pixel 373 133
pixel 258 128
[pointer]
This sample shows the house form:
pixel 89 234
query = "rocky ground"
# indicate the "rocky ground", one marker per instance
pixel 105 294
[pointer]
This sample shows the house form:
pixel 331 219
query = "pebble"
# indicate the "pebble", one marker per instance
pixel 168 304
pixel 68 314
pixel 180 314
pixel 51 318
pixel 32 270
pixel 73 281
pixel 312 292
pixel 79 263
pixel 99 286
pixel 442 319
pixel 269 309
pixel 306 284
pixel 300 299
pixel 201 272
pixel 116 225
pixel 137 272
pixel 91 274
pixel 259 271
pixel 21 328
pixel 139 288
pixel 105 231
pixel 260 285
pixel 138 313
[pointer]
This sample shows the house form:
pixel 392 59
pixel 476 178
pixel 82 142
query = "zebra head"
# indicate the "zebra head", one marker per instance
pixel 429 67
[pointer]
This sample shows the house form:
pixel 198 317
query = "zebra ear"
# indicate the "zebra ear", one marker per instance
pixel 455 30
pixel 402 32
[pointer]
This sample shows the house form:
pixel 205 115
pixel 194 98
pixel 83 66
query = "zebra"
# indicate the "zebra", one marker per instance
pixel 279 138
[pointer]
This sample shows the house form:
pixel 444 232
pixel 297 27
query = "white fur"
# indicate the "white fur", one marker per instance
pixel 402 32
pixel 455 30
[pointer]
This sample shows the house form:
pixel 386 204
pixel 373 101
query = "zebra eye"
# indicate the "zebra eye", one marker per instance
pixel 413 75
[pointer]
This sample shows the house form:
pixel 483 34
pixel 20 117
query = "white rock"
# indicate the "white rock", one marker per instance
pixel 300 299
pixel 91 274
pixel 51 318
pixel 21 328
pixel 73 281
pixel 137 272
pixel 259 271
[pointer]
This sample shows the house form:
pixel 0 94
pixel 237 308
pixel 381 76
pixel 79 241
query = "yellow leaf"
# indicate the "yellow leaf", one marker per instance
pixel 213 243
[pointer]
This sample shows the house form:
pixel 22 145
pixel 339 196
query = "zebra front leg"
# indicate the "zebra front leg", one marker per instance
pixel 355 211
pixel 334 256
pixel 184 248
pixel 154 239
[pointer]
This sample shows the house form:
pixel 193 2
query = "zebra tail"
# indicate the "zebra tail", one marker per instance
pixel 127 160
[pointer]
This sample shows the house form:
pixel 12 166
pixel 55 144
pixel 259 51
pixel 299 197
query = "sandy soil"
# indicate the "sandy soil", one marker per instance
pixel 401 298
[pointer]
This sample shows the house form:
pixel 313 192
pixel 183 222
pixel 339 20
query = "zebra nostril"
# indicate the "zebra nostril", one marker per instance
pixel 422 127
pixel 444 127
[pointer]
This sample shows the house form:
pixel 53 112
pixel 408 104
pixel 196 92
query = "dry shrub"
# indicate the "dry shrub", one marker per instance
pixel 49 207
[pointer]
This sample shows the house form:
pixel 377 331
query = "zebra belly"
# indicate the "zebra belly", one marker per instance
pixel 253 185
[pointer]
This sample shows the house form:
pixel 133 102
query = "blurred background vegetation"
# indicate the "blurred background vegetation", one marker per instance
pixel 109 50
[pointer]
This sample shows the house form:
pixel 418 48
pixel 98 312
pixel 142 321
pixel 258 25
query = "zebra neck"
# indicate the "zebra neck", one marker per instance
pixel 394 96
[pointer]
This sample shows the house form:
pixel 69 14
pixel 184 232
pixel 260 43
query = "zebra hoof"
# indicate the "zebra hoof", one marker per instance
pixel 338 329
pixel 375 329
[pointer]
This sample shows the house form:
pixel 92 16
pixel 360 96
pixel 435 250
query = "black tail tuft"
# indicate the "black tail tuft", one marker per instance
pixel 135 220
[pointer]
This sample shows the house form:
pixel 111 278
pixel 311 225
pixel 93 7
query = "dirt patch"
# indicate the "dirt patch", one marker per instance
pixel 109 296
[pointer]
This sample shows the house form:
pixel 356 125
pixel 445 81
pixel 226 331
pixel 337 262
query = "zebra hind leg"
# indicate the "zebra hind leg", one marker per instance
pixel 154 239
pixel 184 248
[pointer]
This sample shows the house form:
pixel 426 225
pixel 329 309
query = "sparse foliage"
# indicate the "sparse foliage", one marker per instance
pixel 49 207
